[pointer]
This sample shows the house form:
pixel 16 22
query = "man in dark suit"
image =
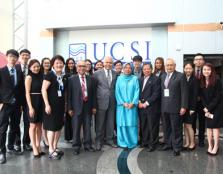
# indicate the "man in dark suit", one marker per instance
pixel 24 57
pixel 81 105
pixel 10 82
pixel 199 113
pixel 149 99
pixel 106 105
pixel 174 103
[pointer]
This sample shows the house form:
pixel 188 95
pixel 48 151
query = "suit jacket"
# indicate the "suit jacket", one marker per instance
pixel 178 93
pixel 105 94
pixel 211 97
pixel 193 87
pixel 75 99
pixel 22 98
pixel 151 93
pixel 9 92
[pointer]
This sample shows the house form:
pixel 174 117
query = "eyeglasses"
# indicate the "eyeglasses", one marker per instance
pixel 81 66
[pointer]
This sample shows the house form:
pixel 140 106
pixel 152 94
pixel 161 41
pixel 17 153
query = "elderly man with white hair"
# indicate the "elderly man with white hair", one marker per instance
pixel 174 103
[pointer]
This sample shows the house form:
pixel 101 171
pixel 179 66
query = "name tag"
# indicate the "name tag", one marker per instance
pixel 59 93
pixel 166 92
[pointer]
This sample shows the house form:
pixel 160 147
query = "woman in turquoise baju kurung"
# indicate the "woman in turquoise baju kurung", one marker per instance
pixel 127 97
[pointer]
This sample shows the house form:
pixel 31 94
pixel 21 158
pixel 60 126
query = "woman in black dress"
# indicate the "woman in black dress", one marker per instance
pixel 159 69
pixel 45 69
pixel 188 118
pixel 53 95
pixel 33 84
pixel 70 69
pixel 212 100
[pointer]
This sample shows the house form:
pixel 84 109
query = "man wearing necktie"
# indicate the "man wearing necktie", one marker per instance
pixel 105 80
pixel 149 100
pixel 199 114
pixel 174 101
pixel 23 66
pixel 10 82
pixel 81 106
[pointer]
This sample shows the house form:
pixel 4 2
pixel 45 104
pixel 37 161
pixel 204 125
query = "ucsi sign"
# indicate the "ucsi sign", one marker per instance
pixel 119 50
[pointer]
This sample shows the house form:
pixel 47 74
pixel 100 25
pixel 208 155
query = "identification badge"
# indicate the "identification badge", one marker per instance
pixel 59 93
pixel 166 92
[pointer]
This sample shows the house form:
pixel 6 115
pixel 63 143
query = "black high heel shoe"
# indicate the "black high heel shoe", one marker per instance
pixel 36 156
pixel 45 145
pixel 213 154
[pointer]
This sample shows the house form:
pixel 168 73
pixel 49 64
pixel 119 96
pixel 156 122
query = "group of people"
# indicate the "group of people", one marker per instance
pixel 128 100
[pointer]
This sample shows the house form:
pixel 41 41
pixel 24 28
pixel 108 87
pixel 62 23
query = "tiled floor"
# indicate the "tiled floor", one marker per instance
pixel 116 160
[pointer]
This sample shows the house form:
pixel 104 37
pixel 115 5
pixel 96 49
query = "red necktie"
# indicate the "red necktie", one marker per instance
pixel 83 88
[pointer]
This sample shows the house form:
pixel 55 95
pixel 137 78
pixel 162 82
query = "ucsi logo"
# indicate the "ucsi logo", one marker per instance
pixel 119 50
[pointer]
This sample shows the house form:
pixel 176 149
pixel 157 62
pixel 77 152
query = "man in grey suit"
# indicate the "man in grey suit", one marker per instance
pixel 105 80
pixel 174 103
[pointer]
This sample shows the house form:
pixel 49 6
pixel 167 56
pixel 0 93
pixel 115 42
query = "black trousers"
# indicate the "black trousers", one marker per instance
pixel 199 114
pixel 25 138
pixel 77 121
pixel 8 116
pixel 173 130
pixel 68 129
pixel 148 127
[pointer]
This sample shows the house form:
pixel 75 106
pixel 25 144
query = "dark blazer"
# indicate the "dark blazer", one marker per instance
pixel 193 87
pixel 7 90
pixel 105 94
pixel 22 98
pixel 151 93
pixel 178 91
pixel 211 97
pixel 75 99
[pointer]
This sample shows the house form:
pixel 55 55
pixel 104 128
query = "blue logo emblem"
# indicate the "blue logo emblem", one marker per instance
pixel 78 51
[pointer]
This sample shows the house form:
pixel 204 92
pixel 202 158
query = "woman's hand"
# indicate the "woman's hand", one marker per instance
pixel 48 109
pixel 130 106
pixel 205 110
pixel 126 105
pixel 71 113
pixel 31 112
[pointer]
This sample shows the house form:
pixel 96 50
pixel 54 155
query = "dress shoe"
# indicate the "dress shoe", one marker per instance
pixel 185 148
pixel 213 154
pixel 151 149
pixel 36 156
pixel 42 153
pixel 89 149
pixel 14 151
pixel 176 153
pixel 54 156
pixel 76 151
pixel 165 148
pixel 112 145
pixel 143 145
pixel 60 152
pixel 2 158
pixel 191 148
pixel 27 147
pixel 98 147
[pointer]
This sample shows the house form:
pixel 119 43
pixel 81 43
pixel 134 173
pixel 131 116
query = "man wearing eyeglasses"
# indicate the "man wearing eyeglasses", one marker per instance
pixel 199 62
pixel 81 106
